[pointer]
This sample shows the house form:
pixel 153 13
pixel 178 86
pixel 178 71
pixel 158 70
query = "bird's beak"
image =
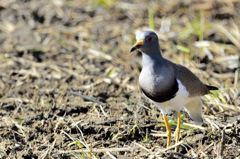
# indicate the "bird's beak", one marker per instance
pixel 137 45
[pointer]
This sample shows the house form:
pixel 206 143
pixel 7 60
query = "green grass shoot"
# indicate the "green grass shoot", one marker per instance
pixel 151 18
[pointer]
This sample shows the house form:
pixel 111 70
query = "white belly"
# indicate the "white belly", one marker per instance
pixel 192 105
pixel 176 103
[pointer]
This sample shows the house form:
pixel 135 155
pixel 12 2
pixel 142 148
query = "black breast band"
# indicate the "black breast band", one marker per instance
pixel 164 96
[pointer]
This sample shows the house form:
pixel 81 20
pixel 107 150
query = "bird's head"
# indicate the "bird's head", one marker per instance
pixel 146 42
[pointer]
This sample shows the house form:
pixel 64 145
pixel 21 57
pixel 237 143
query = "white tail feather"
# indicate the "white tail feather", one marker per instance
pixel 194 110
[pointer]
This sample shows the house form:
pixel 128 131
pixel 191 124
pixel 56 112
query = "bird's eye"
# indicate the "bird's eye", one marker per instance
pixel 150 39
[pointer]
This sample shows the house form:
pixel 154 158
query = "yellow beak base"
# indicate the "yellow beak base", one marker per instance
pixel 136 46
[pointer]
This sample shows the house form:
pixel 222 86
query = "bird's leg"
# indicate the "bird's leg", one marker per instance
pixel 168 130
pixel 177 130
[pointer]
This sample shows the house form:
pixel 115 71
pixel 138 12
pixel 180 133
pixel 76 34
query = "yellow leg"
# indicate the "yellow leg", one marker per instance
pixel 168 130
pixel 177 130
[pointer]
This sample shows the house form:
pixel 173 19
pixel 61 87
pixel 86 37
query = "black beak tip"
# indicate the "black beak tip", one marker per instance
pixel 132 49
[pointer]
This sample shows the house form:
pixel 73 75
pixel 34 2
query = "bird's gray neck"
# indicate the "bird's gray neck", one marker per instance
pixel 151 59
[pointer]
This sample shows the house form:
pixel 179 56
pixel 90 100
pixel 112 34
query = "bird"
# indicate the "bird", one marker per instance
pixel 168 85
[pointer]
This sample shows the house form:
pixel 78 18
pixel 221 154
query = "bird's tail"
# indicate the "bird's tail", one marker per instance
pixel 194 110
pixel 211 87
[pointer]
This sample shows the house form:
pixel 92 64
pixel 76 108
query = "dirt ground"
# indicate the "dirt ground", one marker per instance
pixel 69 87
